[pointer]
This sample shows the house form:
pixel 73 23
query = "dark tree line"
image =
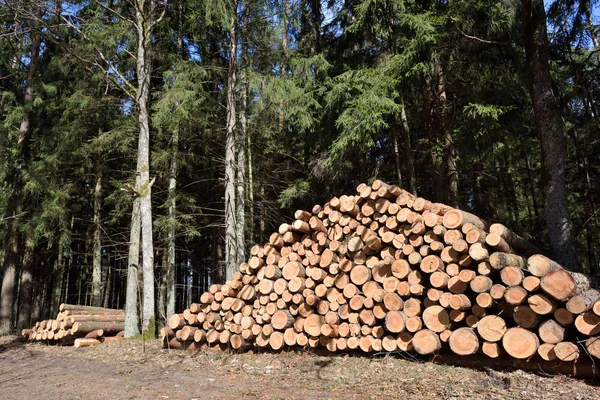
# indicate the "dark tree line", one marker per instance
pixel 146 144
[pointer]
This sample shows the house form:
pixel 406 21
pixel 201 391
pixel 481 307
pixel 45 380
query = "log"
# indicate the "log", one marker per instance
pixel 464 341
pixel 74 308
pixel 454 219
pixel 566 351
pixel 540 265
pixel 426 342
pixel 88 326
pixel 546 352
pixel 520 343
pixel 492 350
pixel 541 304
pixel 588 323
pixel 282 319
pixel 436 319
pixel 551 331
pixel 559 284
pixel 583 302
pixel 394 322
pixel 592 346
pixel 513 240
pixel 491 328
pixel 83 342
pixel 499 260
pixel 525 317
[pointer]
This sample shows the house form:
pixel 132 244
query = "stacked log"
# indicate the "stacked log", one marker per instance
pixel 79 326
pixel 384 270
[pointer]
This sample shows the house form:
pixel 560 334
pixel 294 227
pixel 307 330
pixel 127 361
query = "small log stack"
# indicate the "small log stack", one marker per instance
pixel 79 326
pixel 384 270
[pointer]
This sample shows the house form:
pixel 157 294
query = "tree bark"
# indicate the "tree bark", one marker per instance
pixel 549 124
pixel 240 204
pixel 144 21
pixel 131 294
pixel 451 172
pixel 231 243
pixel 410 160
pixel 8 281
pixel 26 288
pixel 170 271
pixel 97 252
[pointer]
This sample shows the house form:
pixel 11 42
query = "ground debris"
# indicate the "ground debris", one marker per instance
pixel 120 370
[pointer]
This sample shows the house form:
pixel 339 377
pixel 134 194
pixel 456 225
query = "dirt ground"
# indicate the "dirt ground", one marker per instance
pixel 122 370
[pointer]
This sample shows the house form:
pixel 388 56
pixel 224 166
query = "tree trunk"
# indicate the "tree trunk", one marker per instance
pixel 26 288
pixel 58 280
pixel 231 251
pixel 97 252
pixel 131 294
pixel 240 203
pixel 549 124
pixel 143 24
pixel 410 160
pixel 8 281
pixel 282 65
pixel 170 270
pixel 452 173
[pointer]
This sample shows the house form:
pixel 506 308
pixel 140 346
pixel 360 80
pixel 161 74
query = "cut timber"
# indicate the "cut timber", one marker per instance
pixel 583 302
pixel 520 343
pixel 491 328
pixel 83 342
pixel 426 342
pixel 454 219
pixel 559 284
pixel 492 350
pixel 546 351
pixel 293 269
pixel 515 241
pixel 282 320
pixel 88 326
pixel 436 318
pixel 74 308
pixel 500 260
pixel 312 324
pixel 541 304
pixel 593 346
pixel 464 341
pixel 566 351
pixel 551 331
pixel 394 322
pixel 360 274
pixel 525 317
pixel 540 265
pixel 588 323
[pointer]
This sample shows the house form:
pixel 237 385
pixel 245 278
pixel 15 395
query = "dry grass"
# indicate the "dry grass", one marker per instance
pixel 121 370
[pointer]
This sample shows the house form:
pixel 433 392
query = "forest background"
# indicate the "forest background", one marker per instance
pixel 145 145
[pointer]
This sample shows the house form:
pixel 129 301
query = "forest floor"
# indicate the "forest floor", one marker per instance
pixel 122 370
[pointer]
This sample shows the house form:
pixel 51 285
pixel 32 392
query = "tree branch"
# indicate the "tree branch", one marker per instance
pixel 475 38
pixel 108 67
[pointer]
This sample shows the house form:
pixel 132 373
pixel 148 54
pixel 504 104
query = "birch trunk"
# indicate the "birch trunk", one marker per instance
pixel 97 252
pixel 231 243
pixel 143 13
pixel 131 293
pixel 549 124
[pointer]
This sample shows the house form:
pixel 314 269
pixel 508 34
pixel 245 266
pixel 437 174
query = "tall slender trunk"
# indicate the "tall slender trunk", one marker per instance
pixel 408 153
pixel 590 23
pixel 250 190
pixel 433 136
pixel 97 251
pixel 231 243
pixel 170 271
pixel 282 65
pixel 58 275
pixel 26 288
pixel 240 203
pixel 131 293
pixel 107 288
pixel 143 12
pixel 549 124
pixel 451 172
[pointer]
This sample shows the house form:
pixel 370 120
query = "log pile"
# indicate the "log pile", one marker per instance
pixel 384 270
pixel 79 326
